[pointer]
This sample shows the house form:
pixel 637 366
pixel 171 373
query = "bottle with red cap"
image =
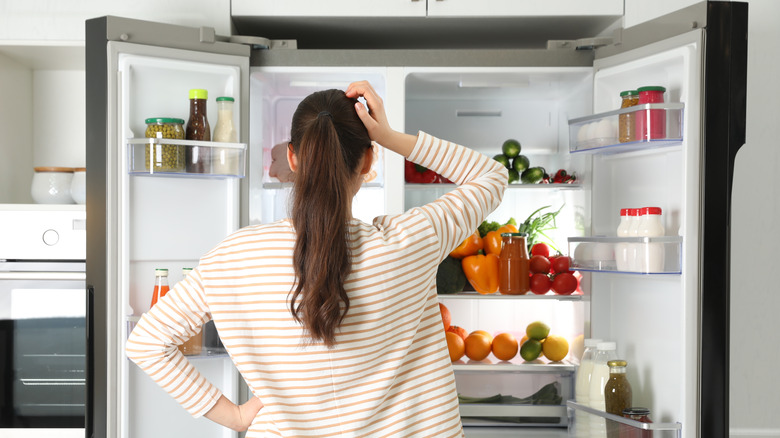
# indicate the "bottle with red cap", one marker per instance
pixel 621 248
pixel 651 255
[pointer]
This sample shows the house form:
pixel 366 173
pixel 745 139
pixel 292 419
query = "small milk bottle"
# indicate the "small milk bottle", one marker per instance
pixel 605 352
pixel 582 387
pixel 633 247
pixel 621 248
pixel 652 254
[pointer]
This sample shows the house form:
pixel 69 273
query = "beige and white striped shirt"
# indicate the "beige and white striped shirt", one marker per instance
pixel 389 373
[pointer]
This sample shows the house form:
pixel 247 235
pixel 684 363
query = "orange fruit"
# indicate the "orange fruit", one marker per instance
pixel 446 317
pixel 483 332
pixel 477 346
pixel 455 345
pixel 460 331
pixel 504 346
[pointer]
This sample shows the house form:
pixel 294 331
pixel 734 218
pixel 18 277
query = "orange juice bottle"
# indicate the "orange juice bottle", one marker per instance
pixel 160 285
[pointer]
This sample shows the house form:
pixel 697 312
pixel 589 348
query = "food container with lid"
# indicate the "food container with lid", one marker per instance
pixel 51 185
pixel 78 185
pixel 165 157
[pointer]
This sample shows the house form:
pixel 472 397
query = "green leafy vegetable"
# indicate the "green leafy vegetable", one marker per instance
pixel 486 226
pixel 535 227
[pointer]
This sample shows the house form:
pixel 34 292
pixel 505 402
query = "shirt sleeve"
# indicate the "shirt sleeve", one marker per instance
pixel 152 345
pixel 482 182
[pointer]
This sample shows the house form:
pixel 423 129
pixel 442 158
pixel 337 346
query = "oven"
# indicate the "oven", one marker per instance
pixel 43 304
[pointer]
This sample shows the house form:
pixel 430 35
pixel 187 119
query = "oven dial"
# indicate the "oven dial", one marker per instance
pixel 51 237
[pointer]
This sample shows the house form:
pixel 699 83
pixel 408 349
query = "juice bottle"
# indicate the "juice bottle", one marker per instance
pixel 160 285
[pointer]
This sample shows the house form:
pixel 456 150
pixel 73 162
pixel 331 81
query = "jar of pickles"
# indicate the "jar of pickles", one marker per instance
pixel 165 157
pixel 628 99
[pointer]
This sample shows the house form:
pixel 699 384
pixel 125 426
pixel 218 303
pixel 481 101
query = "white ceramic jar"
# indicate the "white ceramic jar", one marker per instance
pixel 51 185
pixel 78 185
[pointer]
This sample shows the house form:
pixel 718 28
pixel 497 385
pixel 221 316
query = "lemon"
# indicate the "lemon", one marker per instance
pixel 530 350
pixel 555 347
pixel 511 148
pixel 537 330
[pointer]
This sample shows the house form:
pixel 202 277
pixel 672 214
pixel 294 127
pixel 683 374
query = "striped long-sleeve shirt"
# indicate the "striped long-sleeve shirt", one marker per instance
pixel 389 373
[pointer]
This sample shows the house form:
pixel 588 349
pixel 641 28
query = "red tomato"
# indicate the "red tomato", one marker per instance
pixel 540 284
pixel 564 283
pixel 539 264
pixel 540 249
pixel 561 264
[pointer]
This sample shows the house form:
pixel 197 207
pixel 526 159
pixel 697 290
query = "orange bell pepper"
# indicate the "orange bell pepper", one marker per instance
pixel 470 246
pixel 508 228
pixel 482 272
pixel 492 242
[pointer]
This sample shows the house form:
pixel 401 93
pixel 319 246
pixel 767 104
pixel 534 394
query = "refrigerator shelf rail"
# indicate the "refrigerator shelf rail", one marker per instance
pixel 447 187
pixel 632 427
pixel 169 158
pixel 516 365
pixel 646 126
pixel 472 295
pixel 641 255
pixel 514 415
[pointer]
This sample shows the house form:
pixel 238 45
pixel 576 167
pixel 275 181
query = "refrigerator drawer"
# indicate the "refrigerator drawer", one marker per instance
pixel 582 418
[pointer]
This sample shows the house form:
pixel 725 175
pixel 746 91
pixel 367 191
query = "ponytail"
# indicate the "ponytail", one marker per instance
pixel 329 142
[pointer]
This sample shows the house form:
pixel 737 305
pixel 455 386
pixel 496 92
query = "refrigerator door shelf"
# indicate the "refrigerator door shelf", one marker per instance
pixel 445 187
pixel 212 348
pixel 646 126
pixel 472 295
pixel 512 415
pixel 640 255
pixel 170 157
pixel 632 427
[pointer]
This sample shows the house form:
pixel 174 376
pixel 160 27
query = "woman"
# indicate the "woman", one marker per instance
pixel 333 323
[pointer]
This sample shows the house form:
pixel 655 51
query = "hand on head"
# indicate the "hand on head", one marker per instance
pixel 375 118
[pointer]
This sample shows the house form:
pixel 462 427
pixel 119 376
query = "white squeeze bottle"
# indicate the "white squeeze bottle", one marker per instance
pixel 605 351
pixel 582 387
pixel 621 248
pixel 651 225
pixel 633 231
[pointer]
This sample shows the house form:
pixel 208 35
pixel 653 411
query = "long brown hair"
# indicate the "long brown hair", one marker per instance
pixel 329 142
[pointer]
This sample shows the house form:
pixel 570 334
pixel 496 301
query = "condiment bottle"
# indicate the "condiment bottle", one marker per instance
pixel 651 124
pixel 582 387
pixel 626 124
pixel 513 269
pixel 198 157
pixel 621 248
pixel 193 345
pixel 651 254
pixel 160 285
pixel 641 415
pixel 605 352
pixel 224 160
pixel 617 394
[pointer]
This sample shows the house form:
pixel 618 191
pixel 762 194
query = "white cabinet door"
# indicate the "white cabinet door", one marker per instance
pixel 524 8
pixel 337 8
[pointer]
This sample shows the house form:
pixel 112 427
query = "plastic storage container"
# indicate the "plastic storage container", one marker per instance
pixel 165 157
pixel 51 185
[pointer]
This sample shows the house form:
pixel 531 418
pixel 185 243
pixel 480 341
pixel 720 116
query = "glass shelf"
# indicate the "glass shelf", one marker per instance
pixel 516 365
pixel 476 414
pixel 170 157
pixel 471 295
pixel 625 426
pixel 651 125
pixel 447 187
pixel 642 255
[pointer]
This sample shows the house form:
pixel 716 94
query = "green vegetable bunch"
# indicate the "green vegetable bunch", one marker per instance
pixel 486 227
pixel 535 227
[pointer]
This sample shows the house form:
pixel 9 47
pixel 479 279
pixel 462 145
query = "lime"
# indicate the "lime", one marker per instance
pixel 503 159
pixel 514 176
pixel 531 349
pixel 520 163
pixel 532 175
pixel 511 148
pixel 537 330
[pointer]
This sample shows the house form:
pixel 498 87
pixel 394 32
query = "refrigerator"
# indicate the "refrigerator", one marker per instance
pixel 670 325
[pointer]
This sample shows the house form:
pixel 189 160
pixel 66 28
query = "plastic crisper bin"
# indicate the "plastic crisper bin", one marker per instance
pixel 226 159
pixel 638 255
pixel 621 426
pixel 663 126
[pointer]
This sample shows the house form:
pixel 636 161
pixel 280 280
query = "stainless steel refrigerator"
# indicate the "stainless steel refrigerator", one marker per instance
pixel 671 325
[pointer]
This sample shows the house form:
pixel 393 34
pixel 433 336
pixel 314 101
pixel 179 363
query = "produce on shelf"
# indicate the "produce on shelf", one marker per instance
pixel 505 346
pixel 478 346
pixel 460 331
pixel 539 342
pixel 416 174
pixel 488 226
pixel 535 227
pixel 455 345
pixel 482 272
pixel 450 278
pixel 519 167
pixel 470 246
pixel 548 395
pixel 446 316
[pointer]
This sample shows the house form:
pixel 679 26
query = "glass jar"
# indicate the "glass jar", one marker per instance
pixel 513 269
pixel 626 122
pixel 617 394
pixel 651 124
pixel 160 285
pixel 198 157
pixel 164 157
pixel 641 415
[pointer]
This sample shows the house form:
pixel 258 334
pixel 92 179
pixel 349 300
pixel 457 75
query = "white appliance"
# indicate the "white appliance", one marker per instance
pixel 43 310
pixel 670 326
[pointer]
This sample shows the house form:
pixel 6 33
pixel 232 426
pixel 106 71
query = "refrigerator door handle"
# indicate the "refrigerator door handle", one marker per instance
pixel 89 423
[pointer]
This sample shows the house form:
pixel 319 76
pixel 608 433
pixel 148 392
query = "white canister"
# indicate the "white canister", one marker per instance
pixel 51 185
pixel 651 255
pixel 78 185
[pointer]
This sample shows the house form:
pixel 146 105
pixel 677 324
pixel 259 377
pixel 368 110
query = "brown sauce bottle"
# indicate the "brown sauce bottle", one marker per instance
pixel 198 157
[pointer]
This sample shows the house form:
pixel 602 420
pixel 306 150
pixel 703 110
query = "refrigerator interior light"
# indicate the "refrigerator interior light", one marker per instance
pixel 478 113
pixel 320 84
pixel 514 83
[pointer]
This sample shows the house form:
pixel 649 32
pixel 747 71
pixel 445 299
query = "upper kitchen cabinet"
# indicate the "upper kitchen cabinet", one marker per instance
pixel 418 24
pixel 51 20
